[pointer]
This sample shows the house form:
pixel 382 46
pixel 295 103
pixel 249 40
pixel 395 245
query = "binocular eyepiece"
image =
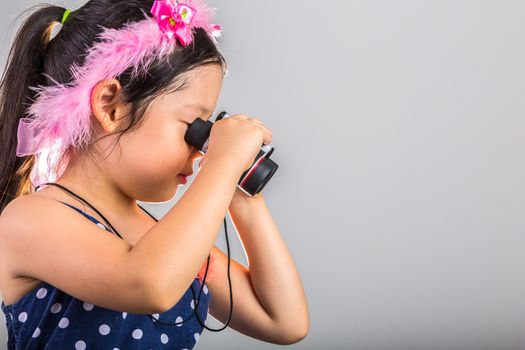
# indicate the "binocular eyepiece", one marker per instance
pixel 252 180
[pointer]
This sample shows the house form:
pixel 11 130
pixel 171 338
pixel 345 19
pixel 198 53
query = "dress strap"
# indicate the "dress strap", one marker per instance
pixel 82 212
pixel 71 206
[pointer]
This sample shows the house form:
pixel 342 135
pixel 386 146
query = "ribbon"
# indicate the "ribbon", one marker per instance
pixel 174 19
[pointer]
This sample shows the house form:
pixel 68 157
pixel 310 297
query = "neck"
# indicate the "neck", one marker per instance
pixel 92 184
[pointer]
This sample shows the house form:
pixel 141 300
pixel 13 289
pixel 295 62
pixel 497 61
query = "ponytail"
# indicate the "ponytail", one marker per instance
pixel 22 70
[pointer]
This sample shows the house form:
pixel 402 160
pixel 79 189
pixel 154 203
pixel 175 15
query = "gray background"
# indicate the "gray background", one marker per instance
pixel 399 130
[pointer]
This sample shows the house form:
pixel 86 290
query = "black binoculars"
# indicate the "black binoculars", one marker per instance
pixel 252 180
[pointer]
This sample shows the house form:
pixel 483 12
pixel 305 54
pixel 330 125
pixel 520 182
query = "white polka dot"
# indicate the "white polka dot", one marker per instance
pixel 22 317
pixel 56 308
pixel 100 225
pixel 205 289
pixel 11 316
pixel 64 322
pixel 87 306
pixel 42 292
pixel 179 319
pixel 104 329
pixel 137 334
pixel 196 336
pixel 80 345
pixel 116 349
pixel 164 338
pixel 192 304
pixel 124 314
pixel 36 333
pixel 155 316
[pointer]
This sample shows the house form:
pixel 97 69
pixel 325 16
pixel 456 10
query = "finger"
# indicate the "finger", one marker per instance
pixel 266 129
pixel 267 132
pixel 241 116
pixel 267 138
pixel 260 124
pixel 256 121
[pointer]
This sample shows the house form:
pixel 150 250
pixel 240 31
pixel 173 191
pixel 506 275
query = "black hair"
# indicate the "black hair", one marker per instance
pixel 35 55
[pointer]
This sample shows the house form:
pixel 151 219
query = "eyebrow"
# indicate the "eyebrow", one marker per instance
pixel 199 106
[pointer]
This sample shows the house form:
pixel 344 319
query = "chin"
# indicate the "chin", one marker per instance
pixel 167 195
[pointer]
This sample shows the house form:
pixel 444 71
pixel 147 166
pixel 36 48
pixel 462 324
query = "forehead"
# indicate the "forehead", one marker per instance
pixel 200 90
pixel 203 78
pixel 206 71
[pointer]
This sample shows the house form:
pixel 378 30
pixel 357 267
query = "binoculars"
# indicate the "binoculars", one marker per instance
pixel 252 180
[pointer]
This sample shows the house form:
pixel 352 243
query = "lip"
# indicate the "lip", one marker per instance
pixel 182 178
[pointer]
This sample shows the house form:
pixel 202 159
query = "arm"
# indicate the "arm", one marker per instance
pixel 172 251
pixel 269 300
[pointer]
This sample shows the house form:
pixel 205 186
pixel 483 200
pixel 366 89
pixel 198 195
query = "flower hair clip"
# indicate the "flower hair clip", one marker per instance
pixel 174 20
pixel 59 116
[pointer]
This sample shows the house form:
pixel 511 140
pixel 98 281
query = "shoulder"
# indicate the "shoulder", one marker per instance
pixel 43 239
pixel 32 217
pixel 25 213
pixel 17 208
pixel 19 225
pixel 26 205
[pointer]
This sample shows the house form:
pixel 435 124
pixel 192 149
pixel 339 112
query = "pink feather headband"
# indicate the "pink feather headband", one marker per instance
pixel 60 114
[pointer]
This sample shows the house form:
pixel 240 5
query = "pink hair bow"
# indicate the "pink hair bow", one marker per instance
pixel 174 19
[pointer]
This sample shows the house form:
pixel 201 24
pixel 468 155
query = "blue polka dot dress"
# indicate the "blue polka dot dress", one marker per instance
pixel 48 318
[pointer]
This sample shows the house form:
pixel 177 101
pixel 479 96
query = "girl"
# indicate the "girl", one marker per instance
pixel 132 74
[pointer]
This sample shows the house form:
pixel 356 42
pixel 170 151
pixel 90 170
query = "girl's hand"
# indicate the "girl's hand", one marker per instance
pixel 239 137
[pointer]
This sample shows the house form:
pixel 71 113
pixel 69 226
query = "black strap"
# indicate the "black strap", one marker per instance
pixel 114 230
pixel 193 292
pixel 81 212
pixel 92 207
pixel 154 218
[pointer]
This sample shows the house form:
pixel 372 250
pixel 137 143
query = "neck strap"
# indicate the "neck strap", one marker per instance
pixel 92 207
pixel 196 301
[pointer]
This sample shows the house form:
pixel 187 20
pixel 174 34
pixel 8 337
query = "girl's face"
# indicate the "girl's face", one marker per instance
pixel 155 153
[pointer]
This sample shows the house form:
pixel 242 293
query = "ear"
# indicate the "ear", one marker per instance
pixel 107 104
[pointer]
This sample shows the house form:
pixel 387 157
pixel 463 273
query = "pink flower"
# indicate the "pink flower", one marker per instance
pixel 174 19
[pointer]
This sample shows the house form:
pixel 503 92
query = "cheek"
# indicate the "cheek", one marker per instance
pixel 159 152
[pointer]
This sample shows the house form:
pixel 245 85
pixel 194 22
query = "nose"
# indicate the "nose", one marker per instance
pixel 195 154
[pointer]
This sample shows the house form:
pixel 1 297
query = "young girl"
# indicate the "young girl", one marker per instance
pixel 83 266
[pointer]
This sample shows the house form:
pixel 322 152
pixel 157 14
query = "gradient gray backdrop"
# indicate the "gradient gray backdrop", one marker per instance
pixel 399 130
